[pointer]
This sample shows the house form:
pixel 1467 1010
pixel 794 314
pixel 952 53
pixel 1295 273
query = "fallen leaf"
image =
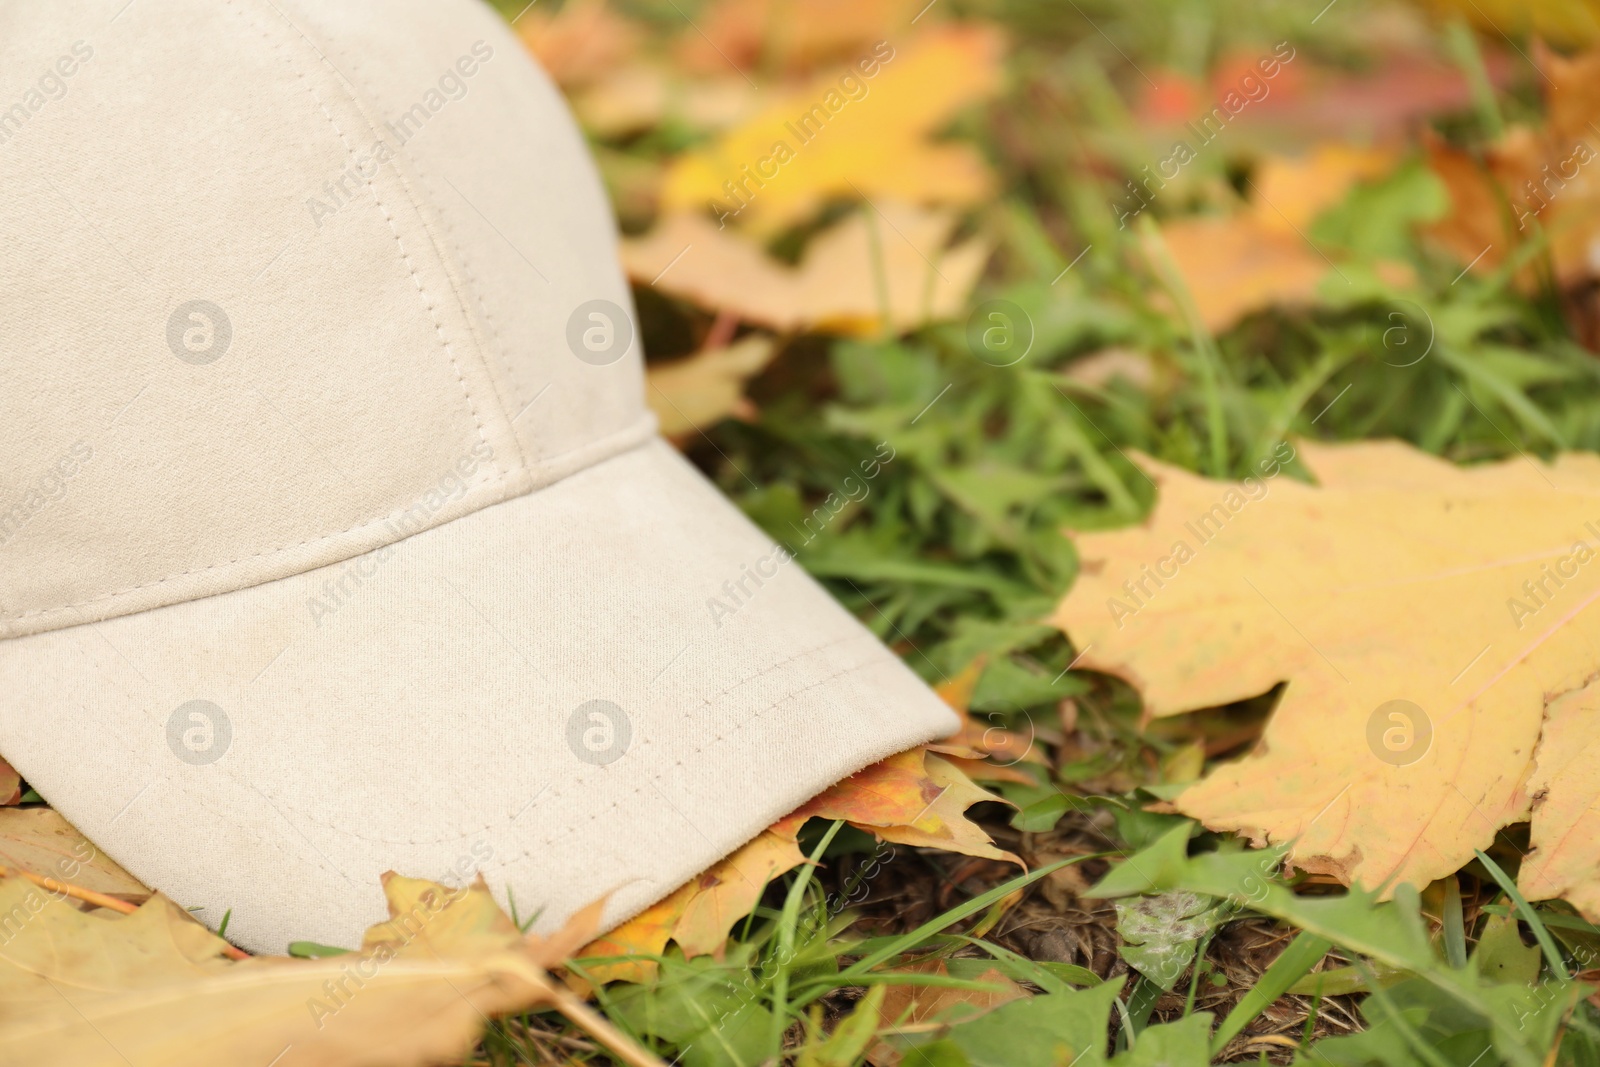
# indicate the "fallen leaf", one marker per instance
pixel 1291 191
pixel 967 748
pixel 1100 369
pixel 10 784
pixel 789 34
pixel 698 915
pixel 580 42
pixel 646 934
pixel 1531 180
pixel 84 990
pixel 1233 266
pixel 642 95
pixel 1403 81
pixel 1428 620
pixel 1260 256
pixel 907 1007
pixel 698 392
pixel 922 1009
pixel 41 842
pixel 852 133
pixel 1564 785
pixel 913 798
pixel 842 283
pixel 726 893
pixel 1562 21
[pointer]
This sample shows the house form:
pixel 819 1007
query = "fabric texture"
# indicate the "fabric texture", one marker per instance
pixel 334 534
pixel 273 268
pixel 427 708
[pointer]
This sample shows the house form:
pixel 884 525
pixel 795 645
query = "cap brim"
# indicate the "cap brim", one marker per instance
pixel 599 688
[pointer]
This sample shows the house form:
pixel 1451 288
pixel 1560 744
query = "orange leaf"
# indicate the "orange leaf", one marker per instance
pixel 726 893
pixel 1233 266
pixel 646 934
pixel 914 798
pixel 10 784
pixel 910 1008
pixel 582 42
pixel 1531 180
pixel 792 34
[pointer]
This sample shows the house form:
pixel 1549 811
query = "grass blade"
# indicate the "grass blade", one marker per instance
pixel 784 952
pixel 1552 954
pixel 1290 966
pixel 900 945
pixel 1455 929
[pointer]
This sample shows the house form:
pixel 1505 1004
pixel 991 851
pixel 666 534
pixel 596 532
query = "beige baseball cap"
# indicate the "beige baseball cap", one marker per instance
pixel 335 534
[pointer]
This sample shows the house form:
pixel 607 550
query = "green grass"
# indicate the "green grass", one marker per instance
pixel 957 551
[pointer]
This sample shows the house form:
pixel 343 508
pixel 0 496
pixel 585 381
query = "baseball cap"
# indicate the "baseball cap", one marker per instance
pixel 335 533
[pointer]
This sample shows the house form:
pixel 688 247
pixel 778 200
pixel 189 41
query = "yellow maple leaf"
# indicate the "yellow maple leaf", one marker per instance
pixel 82 990
pixel 913 798
pixel 1291 191
pixel 1428 620
pixel 890 255
pixel 40 842
pixel 1261 256
pixel 695 393
pixel 863 130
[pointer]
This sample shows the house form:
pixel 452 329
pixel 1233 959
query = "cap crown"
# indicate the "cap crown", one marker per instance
pixel 280 283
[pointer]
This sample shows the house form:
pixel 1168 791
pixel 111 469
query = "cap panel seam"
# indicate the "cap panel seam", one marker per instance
pixel 431 195
pixel 404 256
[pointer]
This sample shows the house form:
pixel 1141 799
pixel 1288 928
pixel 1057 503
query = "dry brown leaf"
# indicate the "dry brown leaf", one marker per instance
pixel 582 42
pixel 921 1009
pixel 1233 266
pixel 10 784
pixel 1291 191
pixel 1260 256
pixel 726 893
pixel 41 842
pixel 790 34
pixel 152 987
pixel 1466 593
pixel 642 95
pixel 1531 179
pixel 695 393
pixel 836 287
pixel 914 798
pixel 967 747
pixel 851 134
